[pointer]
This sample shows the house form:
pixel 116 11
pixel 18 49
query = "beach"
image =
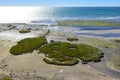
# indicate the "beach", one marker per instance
pixel 30 66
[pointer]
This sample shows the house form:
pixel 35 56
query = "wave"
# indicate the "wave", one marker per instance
pixel 48 20
pixel 55 19
pixel 78 18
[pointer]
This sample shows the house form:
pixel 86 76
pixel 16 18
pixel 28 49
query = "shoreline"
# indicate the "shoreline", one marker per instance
pixel 34 70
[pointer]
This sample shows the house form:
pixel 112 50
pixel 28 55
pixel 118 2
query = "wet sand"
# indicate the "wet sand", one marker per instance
pixel 30 66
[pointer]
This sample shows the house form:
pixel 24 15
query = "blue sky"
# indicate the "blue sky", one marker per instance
pixel 59 3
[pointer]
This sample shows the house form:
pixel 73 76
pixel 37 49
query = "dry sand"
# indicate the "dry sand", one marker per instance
pixel 30 66
pixel 32 63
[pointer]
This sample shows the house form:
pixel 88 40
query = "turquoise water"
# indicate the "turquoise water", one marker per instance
pixel 85 13
pixel 48 14
pixel 51 15
pixel 58 13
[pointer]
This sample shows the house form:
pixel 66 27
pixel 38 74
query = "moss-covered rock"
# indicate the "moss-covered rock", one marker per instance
pixel 87 23
pixel 27 45
pixel 72 39
pixel 63 53
pixel 118 41
pixel 58 53
pixel 6 78
pixel 24 31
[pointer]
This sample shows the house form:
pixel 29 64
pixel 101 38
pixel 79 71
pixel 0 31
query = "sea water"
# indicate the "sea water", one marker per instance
pixel 50 15
pixel 22 14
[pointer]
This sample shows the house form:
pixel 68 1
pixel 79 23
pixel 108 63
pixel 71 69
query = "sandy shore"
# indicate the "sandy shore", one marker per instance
pixel 30 66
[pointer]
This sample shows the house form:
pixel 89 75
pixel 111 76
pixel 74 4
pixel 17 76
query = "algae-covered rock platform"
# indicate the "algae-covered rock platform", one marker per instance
pixel 58 53
pixel 27 45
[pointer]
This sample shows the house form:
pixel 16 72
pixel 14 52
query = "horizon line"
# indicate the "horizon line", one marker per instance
pixel 51 6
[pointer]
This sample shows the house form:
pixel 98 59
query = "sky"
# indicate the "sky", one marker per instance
pixel 59 3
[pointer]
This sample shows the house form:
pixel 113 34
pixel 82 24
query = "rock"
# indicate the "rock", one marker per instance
pixel 9 25
pixel 12 27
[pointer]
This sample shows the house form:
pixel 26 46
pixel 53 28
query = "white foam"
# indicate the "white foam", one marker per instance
pixel 15 35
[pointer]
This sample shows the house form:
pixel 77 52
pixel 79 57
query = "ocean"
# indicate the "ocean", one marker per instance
pixel 50 15
pixel 28 14
pixel 82 13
